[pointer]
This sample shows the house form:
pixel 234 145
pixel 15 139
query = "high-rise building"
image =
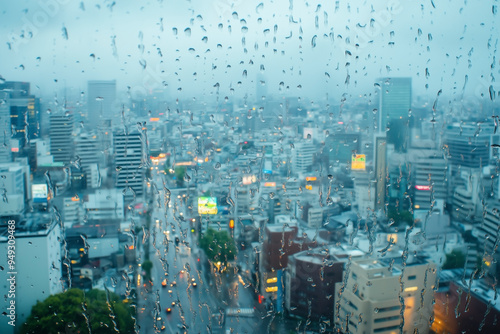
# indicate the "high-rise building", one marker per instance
pixel 101 100
pixel 37 264
pixel 88 150
pixel 5 155
pixel 469 145
pixel 395 100
pixel 12 190
pixel 302 156
pixel 395 104
pixel 377 296
pixel 61 137
pixel 431 182
pixel 380 171
pixel 24 110
pixel 128 150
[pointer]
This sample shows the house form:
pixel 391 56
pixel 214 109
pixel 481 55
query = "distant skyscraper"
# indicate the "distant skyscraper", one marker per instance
pixel 395 103
pixel 380 171
pixel 101 99
pixel 5 155
pixel 24 111
pixel 61 137
pixel 88 149
pixel 395 99
pixel 128 149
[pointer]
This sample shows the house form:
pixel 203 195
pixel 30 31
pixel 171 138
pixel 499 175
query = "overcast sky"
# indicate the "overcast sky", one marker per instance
pixel 313 48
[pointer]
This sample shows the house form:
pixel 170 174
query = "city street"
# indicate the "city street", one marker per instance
pixel 198 301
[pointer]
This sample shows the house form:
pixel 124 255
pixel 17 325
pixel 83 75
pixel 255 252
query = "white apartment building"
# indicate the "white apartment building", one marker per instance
pixel 376 295
pixel 38 267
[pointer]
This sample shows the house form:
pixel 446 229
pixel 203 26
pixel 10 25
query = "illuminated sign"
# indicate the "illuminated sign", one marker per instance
pixel 231 223
pixel 311 178
pixel 39 193
pixel 249 179
pixel 270 184
pixel 154 119
pixel 358 162
pixel 207 205
pixel 271 289
pixel 14 149
pixel 423 187
pixel 309 187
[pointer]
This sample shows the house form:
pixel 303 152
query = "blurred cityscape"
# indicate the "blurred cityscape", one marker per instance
pixel 371 217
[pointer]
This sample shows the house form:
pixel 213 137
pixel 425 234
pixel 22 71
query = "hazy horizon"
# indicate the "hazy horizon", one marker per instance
pixel 196 48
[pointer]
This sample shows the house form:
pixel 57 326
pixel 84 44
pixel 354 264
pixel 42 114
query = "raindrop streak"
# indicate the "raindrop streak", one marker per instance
pixel 313 41
pixel 65 33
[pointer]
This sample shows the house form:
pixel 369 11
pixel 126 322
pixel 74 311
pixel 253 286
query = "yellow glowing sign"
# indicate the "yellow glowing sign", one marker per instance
pixel 154 119
pixel 270 184
pixel 272 280
pixel 271 289
pixel 358 162
pixel 207 205
pixel 311 178
pixel 411 289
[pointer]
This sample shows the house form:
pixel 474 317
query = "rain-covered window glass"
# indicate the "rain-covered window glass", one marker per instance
pixel 222 166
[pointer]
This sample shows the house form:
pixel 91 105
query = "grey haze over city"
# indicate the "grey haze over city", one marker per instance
pixel 315 49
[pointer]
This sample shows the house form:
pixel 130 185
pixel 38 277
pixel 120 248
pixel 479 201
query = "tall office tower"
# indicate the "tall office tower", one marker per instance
pixel 101 101
pixel 469 145
pixel 376 297
pixel 88 149
pixel 61 137
pixel 5 155
pixel 302 156
pixel 395 103
pixel 380 171
pixel 24 112
pixel 128 151
pixel 431 182
pixel 38 264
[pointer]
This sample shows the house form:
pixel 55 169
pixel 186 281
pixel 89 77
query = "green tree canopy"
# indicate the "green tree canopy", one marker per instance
pixel 400 216
pixel 180 171
pixel 218 246
pixel 456 259
pixel 75 311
